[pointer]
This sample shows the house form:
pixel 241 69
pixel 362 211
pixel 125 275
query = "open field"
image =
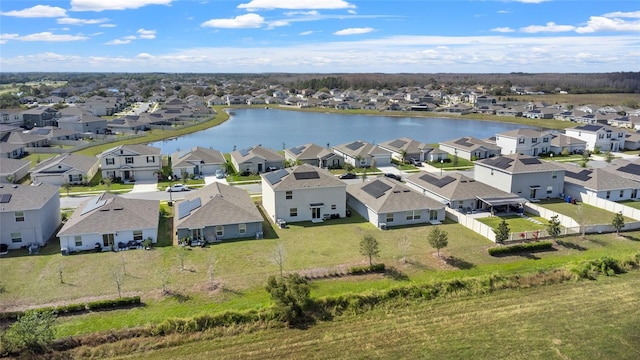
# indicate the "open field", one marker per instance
pixel 516 223
pixel 582 320
pixel 582 99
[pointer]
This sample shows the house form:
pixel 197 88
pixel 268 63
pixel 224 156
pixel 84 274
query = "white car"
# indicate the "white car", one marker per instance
pixel 220 174
pixel 177 187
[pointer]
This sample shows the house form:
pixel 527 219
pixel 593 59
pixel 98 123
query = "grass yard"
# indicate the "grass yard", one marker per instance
pixel 583 320
pixel 516 223
pixel 590 214
pixel 631 203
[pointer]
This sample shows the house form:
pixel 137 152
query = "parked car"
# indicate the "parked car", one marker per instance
pixel 271 168
pixel 393 176
pixel 220 174
pixel 415 162
pixel 177 187
pixel 347 176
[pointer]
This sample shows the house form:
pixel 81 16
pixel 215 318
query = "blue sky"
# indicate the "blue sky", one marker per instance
pixel 326 36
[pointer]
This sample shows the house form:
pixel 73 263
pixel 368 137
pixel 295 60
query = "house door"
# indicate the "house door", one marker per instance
pixel 107 240
pixel 315 213
pixel 533 193
pixel 535 151
pixel 126 174
pixel 260 168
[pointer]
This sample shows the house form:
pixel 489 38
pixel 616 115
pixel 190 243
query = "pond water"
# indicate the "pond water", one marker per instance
pixel 278 129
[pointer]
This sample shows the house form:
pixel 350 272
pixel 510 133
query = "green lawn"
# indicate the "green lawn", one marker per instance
pixel 631 203
pixel 583 320
pixel 516 223
pixel 590 214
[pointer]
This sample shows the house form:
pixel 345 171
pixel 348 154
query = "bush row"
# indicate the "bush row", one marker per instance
pixel 361 270
pixel 355 270
pixel 513 249
pixel 75 308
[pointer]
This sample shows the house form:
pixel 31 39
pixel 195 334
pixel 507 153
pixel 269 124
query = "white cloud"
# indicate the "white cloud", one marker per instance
pixel 118 42
pixel 304 13
pixel 549 27
pixel 503 29
pixel 305 33
pixel 600 23
pixel 278 23
pixel 100 5
pixel 245 21
pixel 49 37
pixel 5 37
pixel 38 11
pixel 75 21
pixel 108 25
pixel 503 12
pixel 352 12
pixel 620 14
pixel 129 37
pixel 254 5
pixel 353 31
pixel 146 34
pixel 145 56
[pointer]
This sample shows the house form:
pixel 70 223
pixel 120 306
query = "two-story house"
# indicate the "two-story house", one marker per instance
pixel 40 116
pixel 303 193
pixel 523 141
pixel 524 175
pixel 28 214
pixel 81 121
pixel 603 137
pixel 131 162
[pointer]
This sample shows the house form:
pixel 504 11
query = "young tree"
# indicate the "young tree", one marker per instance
pixel 618 222
pixel 165 279
pixel 403 156
pixel 124 269
pixel 581 220
pixel 553 227
pixel 67 186
pixel 33 332
pixel 608 157
pixel 107 183
pixel 118 278
pixel 369 248
pixel 503 231
pixel 438 239
pixel 290 295
pixel 403 245
pixel 60 273
pixel 277 257
pixel 182 254
pixel 212 265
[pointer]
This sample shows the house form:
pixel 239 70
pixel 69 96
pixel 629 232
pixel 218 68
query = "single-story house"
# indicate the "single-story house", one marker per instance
pixel 313 154
pixel 560 142
pixel 409 148
pixel 387 203
pixel 108 222
pixel 217 212
pixel 470 148
pixel 65 168
pixel 256 159
pixel 363 154
pixel 599 183
pixel 12 170
pixel 197 161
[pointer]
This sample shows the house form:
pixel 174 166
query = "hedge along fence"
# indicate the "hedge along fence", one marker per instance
pixel 520 248
pixel 77 308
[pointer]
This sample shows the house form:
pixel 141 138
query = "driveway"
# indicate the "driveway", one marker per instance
pixel 210 179
pixel 141 186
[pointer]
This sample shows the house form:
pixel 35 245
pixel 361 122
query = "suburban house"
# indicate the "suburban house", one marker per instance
pixel 603 137
pixel 625 168
pixel 632 140
pixel 217 212
pixel 11 117
pixel 108 222
pixel 524 141
pixel 40 116
pixel 81 121
pixel 313 154
pixel 524 175
pixel 363 154
pixel 470 148
pixel 386 203
pixel 560 142
pixel 256 159
pixel 600 183
pixel 131 162
pixel 26 139
pixel 28 214
pixel 11 151
pixel 197 161
pixel 410 148
pixel 303 193
pixel 65 168
pixel 13 170
pixel 461 192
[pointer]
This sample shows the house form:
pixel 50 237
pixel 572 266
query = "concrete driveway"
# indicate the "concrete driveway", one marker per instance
pixel 210 179
pixel 141 186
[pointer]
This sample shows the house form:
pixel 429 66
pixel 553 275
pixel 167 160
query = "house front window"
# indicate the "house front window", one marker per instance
pixel 219 230
pixel 634 193
pixel 16 237
pixel 413 215
pixel 521 141
pixel 19 216
pixel 534 140
pixel 128 160
pixel 621 193
pixel 137 235
pixel 293 212
pixel 78 240
pixel 242 229
pixel 608 194
pixel 545 140
pixel 288 195
pixel 390 217
pixel 110 161
pixel 333 206
pixel 549 189
pixel 111 174
pixel 554 174
pixel 151 159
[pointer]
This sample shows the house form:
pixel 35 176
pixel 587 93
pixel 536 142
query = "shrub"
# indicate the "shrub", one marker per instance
pixel 112 304
pixel 512 249
pixel 360 270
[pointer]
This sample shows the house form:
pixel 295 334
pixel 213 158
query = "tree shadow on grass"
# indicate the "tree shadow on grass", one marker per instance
pixel 179 297
pixel 629 237
pixel 395 274
pixel 570 245
pixel 458 263
pixel 418 265
pixel 528 255
pixel 227 290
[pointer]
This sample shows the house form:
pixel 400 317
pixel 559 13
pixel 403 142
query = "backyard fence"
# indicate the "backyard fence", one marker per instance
pixel 614 207
pixel 471 223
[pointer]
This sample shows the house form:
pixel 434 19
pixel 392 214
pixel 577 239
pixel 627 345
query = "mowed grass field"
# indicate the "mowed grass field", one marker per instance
pixel 582 320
